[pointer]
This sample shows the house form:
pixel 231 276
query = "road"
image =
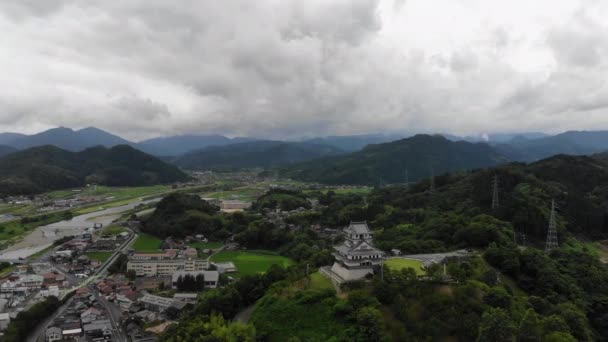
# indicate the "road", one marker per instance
pixel 112 311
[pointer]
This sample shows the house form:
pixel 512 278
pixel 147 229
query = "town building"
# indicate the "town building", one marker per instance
pixel 356 257
pixel 156 303
pixel 188 298
pixel 211 277
pixel 152 268
pixel 225 267
pixel 54 334
pixel 5 320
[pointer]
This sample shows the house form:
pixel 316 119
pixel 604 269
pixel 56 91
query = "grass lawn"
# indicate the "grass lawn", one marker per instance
pixel 99 256
pixel 401 263
pixel 319 282
pixel 250 262
pixel 113 230
pixel 206 245
pixel 146 243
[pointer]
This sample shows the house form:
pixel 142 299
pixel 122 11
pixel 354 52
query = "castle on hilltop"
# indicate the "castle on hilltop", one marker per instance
pixel 356 257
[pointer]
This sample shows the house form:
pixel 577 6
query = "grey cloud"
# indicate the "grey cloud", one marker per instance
pixel 282 69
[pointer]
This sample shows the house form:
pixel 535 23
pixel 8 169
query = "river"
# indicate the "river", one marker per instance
pixel 44 236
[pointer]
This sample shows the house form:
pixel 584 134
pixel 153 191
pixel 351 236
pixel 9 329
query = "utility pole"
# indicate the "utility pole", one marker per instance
pixel 308 273
pixel 552 242
pixel 407 180
pixel 495 198
pixel 382 270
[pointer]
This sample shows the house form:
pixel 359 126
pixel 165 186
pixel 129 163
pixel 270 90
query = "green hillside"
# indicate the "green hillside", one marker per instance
pixel 388 162
pixel 47 168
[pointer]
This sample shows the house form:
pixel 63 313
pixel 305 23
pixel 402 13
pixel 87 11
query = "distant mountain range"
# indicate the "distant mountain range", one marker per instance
pixel 64 138
pixel 211 152
pixel 352 143
pixel 255 154
pixel 181 144
pixel 387 163
pixel 45 168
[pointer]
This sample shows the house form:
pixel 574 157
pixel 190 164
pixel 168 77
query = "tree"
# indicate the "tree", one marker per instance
pixel 530 327
pixel 370 325
pixel 498 297
pixel 495 325
pixel 559 336
pixel 576 320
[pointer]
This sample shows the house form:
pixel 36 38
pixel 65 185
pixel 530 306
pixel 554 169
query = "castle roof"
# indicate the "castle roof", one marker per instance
pixel 358 228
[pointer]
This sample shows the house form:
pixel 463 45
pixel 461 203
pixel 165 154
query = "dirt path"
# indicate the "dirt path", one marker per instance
pixel 245 315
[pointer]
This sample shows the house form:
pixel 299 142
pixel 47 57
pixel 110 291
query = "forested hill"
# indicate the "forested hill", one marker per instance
pixel 255 154
pixel 577 183
pixel 4 150
pixel 47 168
pixel 388 162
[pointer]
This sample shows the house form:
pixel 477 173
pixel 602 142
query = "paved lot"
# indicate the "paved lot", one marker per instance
pixel 432 258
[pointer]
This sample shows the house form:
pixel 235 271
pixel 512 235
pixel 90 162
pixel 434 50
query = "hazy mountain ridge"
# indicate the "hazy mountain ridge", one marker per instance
pixel 256 154
pixel 4 150
pixel 65 138
pixel 181 144
pixel 46 168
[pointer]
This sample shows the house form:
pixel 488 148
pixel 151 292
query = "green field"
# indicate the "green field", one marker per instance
pixel 115 197
pixel 243 194
pixel 401 263
pixel 319 282
pixel 99 256
pixel 345 191
pixel 146 243
pixel 206 245
pixel 13 230
pixel 251 262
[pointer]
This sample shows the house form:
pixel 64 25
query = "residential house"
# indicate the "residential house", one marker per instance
pixel 54 334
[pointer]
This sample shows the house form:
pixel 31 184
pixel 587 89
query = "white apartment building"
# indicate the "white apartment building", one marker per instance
pixel 152 268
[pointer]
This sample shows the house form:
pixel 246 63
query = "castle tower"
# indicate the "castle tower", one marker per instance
pixel 552 232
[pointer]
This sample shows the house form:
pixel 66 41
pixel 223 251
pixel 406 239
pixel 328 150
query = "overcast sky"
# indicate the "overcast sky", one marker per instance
pixel 143 68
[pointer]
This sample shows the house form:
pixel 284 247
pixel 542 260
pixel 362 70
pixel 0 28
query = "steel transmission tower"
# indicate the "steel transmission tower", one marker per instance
pixel 552 232
pixel 495 198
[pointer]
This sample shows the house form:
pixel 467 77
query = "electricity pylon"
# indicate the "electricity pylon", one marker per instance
pixel 552 242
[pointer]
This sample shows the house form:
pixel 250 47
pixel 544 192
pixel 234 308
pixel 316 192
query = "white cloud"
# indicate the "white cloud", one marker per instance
pixel 302 68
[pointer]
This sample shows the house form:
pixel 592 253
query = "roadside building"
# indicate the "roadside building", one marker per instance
pixel 54 334
pixel 5 320
pixel 155 303
pixel 211 278
pixel 225 267
pixel 189 298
